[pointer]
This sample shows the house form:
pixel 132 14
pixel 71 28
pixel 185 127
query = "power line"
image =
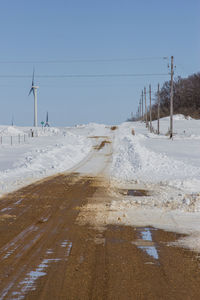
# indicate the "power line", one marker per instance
pixel 87 75
pixel 80 60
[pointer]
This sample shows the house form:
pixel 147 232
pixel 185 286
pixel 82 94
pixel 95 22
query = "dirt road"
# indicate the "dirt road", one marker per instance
pixel 46 252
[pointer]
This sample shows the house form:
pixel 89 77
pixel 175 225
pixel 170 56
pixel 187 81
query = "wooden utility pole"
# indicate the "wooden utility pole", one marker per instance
pixel 158 129
pixel 142 108
pixel 171 98
pixel 145 98
pixel 150 108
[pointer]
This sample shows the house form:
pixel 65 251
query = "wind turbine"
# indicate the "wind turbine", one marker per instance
pixel 47 120
pixel 34 91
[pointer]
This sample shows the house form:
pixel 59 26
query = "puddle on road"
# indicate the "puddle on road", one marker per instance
pixel 134 192
pixel 146 243
pixel 151 250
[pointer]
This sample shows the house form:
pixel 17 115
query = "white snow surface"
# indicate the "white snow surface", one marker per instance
pixel 152 158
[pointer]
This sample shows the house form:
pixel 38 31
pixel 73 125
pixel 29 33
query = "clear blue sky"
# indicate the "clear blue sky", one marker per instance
pixel 84 30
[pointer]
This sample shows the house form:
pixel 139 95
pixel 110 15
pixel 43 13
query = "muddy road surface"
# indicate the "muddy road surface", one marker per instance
pixel 47 251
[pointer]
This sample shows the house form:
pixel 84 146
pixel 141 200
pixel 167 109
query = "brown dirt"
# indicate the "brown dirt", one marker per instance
pixel 91 263
pixel 113 127
pixel 101 145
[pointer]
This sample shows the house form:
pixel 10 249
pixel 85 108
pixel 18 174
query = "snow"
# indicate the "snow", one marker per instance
pixel 52 150
pixel 10 130
pixel 154 159
pixel 168 169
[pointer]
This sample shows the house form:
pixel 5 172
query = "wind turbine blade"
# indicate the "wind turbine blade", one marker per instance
pixel 33 77
pixel 31 90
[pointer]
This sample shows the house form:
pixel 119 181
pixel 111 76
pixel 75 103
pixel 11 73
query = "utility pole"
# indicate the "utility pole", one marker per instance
pixel 171 98
pixel 150 108
pixel 158 130
pixel 142 108
pixel 145 98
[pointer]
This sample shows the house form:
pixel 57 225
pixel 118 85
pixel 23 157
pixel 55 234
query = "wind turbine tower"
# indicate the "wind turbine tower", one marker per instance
pixel 34 91
pixel 47 121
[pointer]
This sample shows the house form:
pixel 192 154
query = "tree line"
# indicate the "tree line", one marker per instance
pixel 186 98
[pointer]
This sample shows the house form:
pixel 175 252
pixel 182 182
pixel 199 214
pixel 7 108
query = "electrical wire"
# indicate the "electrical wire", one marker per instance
pixel 80 60
pixel 87 75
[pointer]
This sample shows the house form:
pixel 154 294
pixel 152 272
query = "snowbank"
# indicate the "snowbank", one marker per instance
pixel 52 151
pixel 154 159
pixel 168 169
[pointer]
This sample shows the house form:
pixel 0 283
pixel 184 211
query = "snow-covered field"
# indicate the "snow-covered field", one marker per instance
pixel 53 150
pixel 168 169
